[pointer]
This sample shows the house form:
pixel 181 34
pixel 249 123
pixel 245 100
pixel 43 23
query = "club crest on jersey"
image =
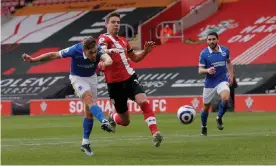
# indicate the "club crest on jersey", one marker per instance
pixel 101 40
pixel 223 53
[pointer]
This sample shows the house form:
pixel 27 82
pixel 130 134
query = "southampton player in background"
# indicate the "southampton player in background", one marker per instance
pixel 215 63
pixel 122 81
pixel 85 57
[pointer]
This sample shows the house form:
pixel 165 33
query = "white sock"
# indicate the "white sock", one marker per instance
pixel 85 141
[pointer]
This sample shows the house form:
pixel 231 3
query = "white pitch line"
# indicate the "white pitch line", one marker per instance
pixel 39 144
pixel 128 137
pixel 62 138
pixel 139 138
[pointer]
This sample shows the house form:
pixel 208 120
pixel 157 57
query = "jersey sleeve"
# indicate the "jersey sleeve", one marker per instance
pixel 202 60
pixel 129 48
pixel 103 41
pixel 228 54
pixel 68 52
pixel 100 52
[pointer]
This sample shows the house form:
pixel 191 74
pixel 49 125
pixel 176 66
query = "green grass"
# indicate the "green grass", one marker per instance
pixel 248 138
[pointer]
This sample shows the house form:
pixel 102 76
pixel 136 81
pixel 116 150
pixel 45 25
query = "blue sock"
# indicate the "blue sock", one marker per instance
pixel 204 117
pixel 87 125
pixel 97 112
pixel 222 109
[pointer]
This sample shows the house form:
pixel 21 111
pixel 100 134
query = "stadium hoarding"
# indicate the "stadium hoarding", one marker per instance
pixel 6 107
pixel 180 81
pixel 244 103
pixel 75 106
pixel 186 80
pixel 31 86
pixel 255 103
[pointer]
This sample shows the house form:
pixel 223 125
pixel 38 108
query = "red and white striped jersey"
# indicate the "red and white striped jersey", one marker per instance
pixel 121 69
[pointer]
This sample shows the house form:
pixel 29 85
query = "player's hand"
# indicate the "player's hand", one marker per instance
pixel 212 70
pixel 101 66
pixel 230 79
pixel 149 45
pixel 27 58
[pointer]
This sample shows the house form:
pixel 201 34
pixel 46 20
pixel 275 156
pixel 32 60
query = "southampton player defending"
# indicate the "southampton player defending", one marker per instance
pixel 122 81
pixel 85 57
pixel 215 63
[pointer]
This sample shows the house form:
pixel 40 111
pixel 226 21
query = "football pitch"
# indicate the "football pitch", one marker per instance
pixel 248 138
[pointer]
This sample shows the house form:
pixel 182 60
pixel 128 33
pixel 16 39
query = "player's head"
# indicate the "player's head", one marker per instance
pixel 90 48
pixel 112 23
pixel 212 40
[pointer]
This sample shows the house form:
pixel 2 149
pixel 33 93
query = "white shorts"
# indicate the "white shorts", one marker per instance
pixel 83 84
pixel 209 93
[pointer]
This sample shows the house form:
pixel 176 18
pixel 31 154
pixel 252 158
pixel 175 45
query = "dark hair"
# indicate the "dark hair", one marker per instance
pixel 113 14
pixel 89 43
pixel 213 34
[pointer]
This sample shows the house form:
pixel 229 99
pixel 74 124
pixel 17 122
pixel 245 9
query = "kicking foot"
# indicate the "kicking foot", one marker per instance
pixel 111 120
pixel 157 139
pixel 106 126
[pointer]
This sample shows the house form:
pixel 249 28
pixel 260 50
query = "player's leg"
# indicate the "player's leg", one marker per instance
pixel 84 90
pixel 87 129
pixel 136 92
pixel 149 117
pixel 204 118
pixel 95 109
pixel 121 116
pixel 224 92
pixel 119 99
pixel 208 94
pixel 88 121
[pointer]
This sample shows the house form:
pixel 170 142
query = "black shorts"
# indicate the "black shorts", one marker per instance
pixel 120 92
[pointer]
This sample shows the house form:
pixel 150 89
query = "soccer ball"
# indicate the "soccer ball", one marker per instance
pixel 186 114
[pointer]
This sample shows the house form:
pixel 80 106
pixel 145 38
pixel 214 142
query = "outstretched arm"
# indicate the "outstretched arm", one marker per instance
pixel 42 58
pixel 137 57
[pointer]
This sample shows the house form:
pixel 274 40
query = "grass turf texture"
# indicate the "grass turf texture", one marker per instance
pixel 248 138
